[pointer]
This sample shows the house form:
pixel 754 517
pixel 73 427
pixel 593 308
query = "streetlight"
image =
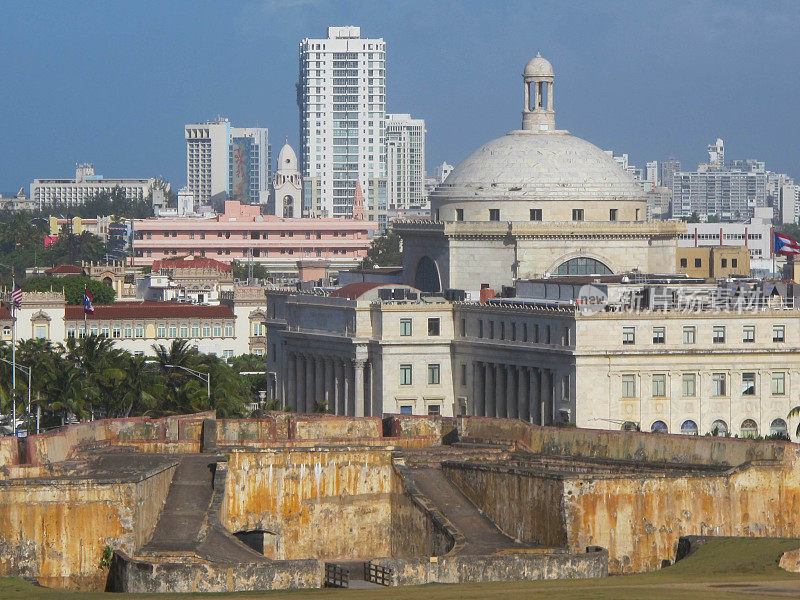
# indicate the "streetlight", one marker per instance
pixel 13 311
pixel 199 374
pixel 27 370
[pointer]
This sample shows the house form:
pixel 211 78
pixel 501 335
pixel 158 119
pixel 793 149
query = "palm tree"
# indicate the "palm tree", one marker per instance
pixel 99 361
pixel 144 389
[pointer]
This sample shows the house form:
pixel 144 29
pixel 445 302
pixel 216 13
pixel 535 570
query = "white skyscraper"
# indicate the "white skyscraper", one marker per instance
pixel 405 161
pixel 225 162
pixel 342 99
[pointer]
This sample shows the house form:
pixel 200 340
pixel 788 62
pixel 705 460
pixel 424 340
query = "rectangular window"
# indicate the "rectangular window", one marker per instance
pixel 698 262
pixel 93 330
pixel 566 339
pixel 689 387
pixel 629 386
pixel 206 330
pixel 463 327
pixel 724 262
pixel 173 331
pixel 494 214
pixel 749 333
pixel 116 332
pixel 524 332
pixel 684 262
pixel 161 331
pixel 433 326
pixel 405 326
pixel 612 214
pixel 480 328
pixel 433 410
pixel 734 263
pixel 128 331
pixel 502 330
pixel 659 335
pixel 536 214
pixel 227 353
pixel 463 374
pixel 513 332
pixel 547 334
pixel 536 334
pixel 778 333
pixel 405 374
pixel 577 214
pixel 659 385
pixel 719 334
pixel 629 335
pixel 228 329
pixel 718 384
pixel 105 331
pixel 71 332
pixel 491 330
pixel 196 330
pixel 778 384
pixel 459 214
pixel 688 335
pixel 217 330
pixel 41 332
pixel 184 331
pixel 406 409
pixel 434 373
pixel 748 384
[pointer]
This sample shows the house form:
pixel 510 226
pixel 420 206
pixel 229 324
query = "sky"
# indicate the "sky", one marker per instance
pixel 114 82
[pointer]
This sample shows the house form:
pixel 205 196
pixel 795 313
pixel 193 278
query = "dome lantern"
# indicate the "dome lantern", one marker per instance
pixel 538 113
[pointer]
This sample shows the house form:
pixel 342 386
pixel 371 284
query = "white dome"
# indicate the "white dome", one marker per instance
pixel 287 159
pixel 538 67
pixel 525 166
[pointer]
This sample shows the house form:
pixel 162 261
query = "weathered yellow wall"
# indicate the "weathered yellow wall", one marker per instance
pixel 526 507
pixel 320 503
pixel 54 530
pixel 8 451
pixel 331 427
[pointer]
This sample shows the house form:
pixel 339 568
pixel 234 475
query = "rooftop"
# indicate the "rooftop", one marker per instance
pixel 151 310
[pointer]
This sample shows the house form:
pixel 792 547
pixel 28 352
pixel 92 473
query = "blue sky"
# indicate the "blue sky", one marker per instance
pixel 113 82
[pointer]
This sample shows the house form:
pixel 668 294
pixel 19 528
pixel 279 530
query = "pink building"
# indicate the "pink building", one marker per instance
pixel 243 232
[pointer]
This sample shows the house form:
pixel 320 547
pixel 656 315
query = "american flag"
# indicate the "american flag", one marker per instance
pixel 16 296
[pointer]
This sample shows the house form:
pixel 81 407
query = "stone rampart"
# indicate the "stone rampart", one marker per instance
pixel 441 428
pixel 498 567
pixel 9 451
pixel 321 427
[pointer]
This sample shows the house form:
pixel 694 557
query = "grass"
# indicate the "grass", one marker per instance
pixel 721 569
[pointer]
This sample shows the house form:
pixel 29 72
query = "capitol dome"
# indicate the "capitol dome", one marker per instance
pixel 539 173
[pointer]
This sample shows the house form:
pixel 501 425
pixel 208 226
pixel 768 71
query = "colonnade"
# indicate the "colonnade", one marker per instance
pixel 513 391
pixel 339 382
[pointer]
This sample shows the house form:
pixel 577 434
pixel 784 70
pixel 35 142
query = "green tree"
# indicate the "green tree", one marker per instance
pixel 384 252
pixel 144 387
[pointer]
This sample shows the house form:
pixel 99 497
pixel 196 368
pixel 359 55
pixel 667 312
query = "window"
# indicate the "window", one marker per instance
pixel 734 263
pixel 612 214
pixel 491 330
pixel 629 386
pixel 724 262
pixel 778 384
pixel 196 330
pixel 718 384
pixel 659 335
pixel 206 330
pixel 406 409
pixel 684 262
pixel 748 384
pixel 629 335
pixel 173 331
pixel 184 331
pixel 71 332
pixel 217 330
pixel 748 333
pixel 480 328
pixel 659 427
pixel 434 372
pixel 778 428
pixel 463 327
pixel 536 334
pixel 689 428
pixel 577 214
pixel 749 428
pixel 161 331
pixel 459 214
pixel 698 262
pixel 502 330
pixel 513 332
pixel 719 334
pixel 688 335
pixel 659 385
pixel 405 374
pixel 778 333
pixel 116 332
pixel 494 214
pixel 566 338
pixel 463 374
pixel 128 331
pixel 405 327
pixel 433 410
pixel 433 326
pixel 719 428
pixel 93 330
pixel 536 214
pixel 689 385
pixel 227 353
pixel 228 329
pixel 547 334
pixel 105 331
pixel 582 266
pixel 41 332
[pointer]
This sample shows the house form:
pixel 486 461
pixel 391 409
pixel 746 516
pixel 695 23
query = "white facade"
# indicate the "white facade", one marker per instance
pixel 405 162
pixel 288 185
pixel 225 162
pixel 342 101
pixel 443 170
pixel 85 185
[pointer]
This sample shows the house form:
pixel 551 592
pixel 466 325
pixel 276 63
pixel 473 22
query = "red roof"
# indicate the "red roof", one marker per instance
pixel 354 291
pixel 65 270
pixel 191 263
pixel 149 310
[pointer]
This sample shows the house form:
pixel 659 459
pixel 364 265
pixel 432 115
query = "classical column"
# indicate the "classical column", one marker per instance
pixel 309 383
pixel 347 388
pixel 499 391
pixel 523 410
pixel 511 391
pixel 358 386
pixel 290 381
pixel 547 397
pixel 550 100
pixel 488 386
pixel 300 383
pixel 535 397
pixel 328 393
pixel 319 379
pixel 477 389
pixel 338 388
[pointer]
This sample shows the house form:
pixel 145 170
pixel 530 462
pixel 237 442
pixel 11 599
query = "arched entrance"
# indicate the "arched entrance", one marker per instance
pixel 427 278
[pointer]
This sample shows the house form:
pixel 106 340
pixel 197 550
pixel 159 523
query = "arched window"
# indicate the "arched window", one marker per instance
pixel 659 427
pixel 778 427
pixel 719 428
pixel 749 428
pixel 427 276
pixel 630 426
pixel 583 266
pixel 689 428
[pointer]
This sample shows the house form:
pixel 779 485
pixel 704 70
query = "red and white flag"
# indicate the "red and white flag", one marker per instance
pixel 785 245
pixel 16 296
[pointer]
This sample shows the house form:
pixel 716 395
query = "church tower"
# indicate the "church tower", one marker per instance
pixel 288 185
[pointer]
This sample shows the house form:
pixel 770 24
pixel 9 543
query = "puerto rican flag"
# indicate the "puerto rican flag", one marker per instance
pixel 785 245
pixel 87 302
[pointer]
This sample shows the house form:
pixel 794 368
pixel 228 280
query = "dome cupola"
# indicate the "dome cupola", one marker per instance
pixel 538 113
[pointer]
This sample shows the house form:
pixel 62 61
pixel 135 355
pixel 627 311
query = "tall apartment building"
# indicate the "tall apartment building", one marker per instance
pixel 86 185
pixel 730 195
pixel 341 95
pixel 225 162
pixel 667 170
pixel 405 161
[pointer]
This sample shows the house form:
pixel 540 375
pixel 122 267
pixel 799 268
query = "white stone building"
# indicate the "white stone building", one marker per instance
pixel 405 162
pixel 288 185
pixel 86 185
pixel 342 101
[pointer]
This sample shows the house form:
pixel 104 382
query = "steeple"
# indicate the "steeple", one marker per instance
pixel 538 114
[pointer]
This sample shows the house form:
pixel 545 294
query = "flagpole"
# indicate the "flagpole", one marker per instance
pixel 772 248
pixel 85 327
pixel 13 356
